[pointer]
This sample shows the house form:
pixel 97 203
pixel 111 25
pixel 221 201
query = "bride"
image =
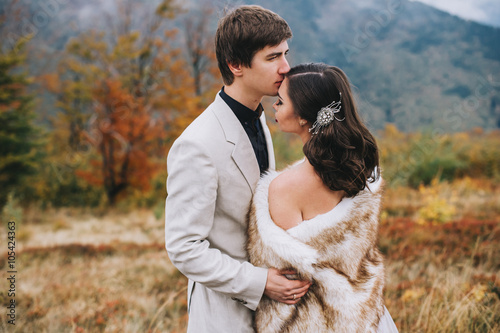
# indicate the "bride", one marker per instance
pixel 319 217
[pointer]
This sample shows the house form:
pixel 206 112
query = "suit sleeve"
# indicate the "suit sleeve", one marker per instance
pixel 189 217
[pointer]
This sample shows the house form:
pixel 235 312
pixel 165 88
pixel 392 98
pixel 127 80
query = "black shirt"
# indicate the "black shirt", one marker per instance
pixel 249 119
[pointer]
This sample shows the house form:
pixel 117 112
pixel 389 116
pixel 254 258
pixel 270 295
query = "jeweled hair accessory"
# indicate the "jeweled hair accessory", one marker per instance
pixel 326 115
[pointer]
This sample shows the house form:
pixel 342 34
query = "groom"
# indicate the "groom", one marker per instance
pixel 213 168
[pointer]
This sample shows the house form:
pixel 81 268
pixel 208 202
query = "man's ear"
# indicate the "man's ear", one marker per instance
pixel 236 69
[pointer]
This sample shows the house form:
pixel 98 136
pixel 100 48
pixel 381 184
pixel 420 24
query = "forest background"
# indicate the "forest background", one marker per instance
pixel 93 93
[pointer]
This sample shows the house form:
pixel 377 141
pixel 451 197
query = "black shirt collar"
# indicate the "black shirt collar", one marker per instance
pixel 243 113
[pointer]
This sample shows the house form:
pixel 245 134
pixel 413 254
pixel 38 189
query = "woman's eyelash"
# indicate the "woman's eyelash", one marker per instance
pixel 279 102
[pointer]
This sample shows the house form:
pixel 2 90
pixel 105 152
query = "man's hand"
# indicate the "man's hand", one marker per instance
pixel 280 289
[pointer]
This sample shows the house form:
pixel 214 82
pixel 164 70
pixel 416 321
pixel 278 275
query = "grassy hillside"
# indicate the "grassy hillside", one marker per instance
pixel 82 272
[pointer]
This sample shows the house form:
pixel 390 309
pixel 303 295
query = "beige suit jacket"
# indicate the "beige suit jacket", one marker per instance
pixel 212 173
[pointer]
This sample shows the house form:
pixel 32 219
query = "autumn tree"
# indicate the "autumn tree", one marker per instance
pixel 135 90
pixel 73 99
pixel 126 138
pixel 200 49
pixel 193 68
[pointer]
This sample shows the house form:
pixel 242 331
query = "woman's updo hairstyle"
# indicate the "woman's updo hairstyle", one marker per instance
pixel 343 153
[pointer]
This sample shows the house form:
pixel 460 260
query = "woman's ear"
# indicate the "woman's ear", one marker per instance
pixel 302 122
pixel 236 69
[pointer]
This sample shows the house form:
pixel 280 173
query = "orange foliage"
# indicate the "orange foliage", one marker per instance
pixel 126 136
pixel 444 243
pixel 129 99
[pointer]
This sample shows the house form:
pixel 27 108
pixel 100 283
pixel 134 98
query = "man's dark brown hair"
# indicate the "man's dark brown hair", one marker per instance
pixel 245 31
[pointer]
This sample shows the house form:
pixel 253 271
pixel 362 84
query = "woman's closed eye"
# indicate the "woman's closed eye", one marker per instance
pixel 278 102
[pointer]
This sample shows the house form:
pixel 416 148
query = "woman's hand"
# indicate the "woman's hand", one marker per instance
pixel 281 289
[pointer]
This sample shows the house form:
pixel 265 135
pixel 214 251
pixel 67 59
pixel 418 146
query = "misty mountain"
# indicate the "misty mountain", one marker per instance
pixel 411 64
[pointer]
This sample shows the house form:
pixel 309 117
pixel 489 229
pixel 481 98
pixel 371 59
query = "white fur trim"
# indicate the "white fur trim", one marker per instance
pixel 358 303
pixel 313 227
pixel 286 246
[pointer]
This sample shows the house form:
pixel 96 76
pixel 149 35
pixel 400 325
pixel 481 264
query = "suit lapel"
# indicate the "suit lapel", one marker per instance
pixel 243 154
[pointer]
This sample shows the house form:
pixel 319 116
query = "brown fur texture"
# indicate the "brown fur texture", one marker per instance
pixel 337 251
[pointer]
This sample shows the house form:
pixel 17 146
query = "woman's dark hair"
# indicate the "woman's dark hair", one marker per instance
pixel 343 153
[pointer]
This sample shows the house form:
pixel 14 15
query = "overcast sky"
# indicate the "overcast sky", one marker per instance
pixel 484 11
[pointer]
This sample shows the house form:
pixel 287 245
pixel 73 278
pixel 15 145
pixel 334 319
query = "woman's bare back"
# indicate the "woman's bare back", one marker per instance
pixel 298 194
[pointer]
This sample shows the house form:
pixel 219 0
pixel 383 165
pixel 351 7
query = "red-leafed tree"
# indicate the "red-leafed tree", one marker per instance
pixel 127 139
pixel 135 93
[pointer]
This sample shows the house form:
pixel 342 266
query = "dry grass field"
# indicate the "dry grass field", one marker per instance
pixel 109 272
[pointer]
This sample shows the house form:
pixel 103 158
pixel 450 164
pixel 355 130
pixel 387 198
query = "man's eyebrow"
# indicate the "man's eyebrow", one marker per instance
pixel 270 55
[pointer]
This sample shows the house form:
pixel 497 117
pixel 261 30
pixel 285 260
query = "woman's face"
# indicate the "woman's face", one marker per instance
pixel 286 117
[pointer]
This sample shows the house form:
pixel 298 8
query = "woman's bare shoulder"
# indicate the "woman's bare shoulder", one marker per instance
pixel 286 178
pixel 285 197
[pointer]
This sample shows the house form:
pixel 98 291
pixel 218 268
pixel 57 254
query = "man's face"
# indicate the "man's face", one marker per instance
pixel 267 70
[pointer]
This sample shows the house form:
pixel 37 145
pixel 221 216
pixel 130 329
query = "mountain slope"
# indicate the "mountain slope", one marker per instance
pixel 413 65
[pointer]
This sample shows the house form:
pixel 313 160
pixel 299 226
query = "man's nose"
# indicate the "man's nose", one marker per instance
pixel 284 67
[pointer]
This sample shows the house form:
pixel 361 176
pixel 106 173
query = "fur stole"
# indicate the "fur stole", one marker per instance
pixel 336 250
